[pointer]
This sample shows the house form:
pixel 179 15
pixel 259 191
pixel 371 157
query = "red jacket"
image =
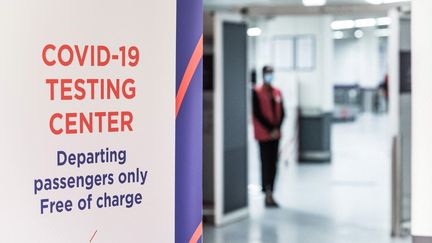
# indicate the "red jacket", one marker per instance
pixel 267 116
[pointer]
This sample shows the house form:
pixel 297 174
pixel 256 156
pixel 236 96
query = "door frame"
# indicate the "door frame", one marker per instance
pixel 221 218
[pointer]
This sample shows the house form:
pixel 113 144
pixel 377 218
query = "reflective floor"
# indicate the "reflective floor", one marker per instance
pixel 346 201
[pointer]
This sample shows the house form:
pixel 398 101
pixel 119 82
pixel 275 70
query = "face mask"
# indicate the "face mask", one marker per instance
pixel 268 78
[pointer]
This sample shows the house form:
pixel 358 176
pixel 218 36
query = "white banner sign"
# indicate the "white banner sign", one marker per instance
pixel 87 103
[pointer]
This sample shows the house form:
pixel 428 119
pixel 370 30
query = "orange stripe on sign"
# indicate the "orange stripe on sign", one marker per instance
pixel 197 234
pixel 93 236
pixel 190 71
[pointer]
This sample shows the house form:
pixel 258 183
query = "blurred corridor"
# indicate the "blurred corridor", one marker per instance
pixel 347 200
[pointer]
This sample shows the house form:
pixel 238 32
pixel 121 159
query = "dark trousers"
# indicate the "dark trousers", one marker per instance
pixel 269 157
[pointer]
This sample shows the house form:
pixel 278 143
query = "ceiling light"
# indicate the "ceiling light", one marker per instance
pixel 342 24
pixel 255 31
pixel 314 2
pixel 360 23
pixel 358 34
pixel 374 1
pixel 383 21
pixel 337 35
pixel 363 23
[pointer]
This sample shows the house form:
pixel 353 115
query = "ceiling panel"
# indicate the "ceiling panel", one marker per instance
pixel 226 3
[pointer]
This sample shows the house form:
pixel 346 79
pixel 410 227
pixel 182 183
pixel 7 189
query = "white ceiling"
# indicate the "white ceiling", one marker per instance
pixel 287 7
pixel 226 3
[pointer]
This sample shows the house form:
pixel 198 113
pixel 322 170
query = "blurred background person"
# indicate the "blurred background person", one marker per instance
pixel 268 115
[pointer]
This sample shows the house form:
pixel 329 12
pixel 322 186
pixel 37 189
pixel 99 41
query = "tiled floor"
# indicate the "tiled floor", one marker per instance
pixel 346 201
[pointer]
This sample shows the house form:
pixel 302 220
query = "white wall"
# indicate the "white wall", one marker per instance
pixel 357 61
pixel 421 119
pixel 399 40
pixel 304 89
pixel 316 86
pixel 393 53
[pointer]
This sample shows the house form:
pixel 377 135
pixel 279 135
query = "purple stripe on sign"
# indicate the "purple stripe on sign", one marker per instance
pixel 188 200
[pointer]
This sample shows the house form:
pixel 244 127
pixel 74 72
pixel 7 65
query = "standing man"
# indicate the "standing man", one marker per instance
pixel 268 115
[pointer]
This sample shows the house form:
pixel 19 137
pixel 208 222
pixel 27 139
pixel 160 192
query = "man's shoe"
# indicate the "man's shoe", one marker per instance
pixel 271 204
